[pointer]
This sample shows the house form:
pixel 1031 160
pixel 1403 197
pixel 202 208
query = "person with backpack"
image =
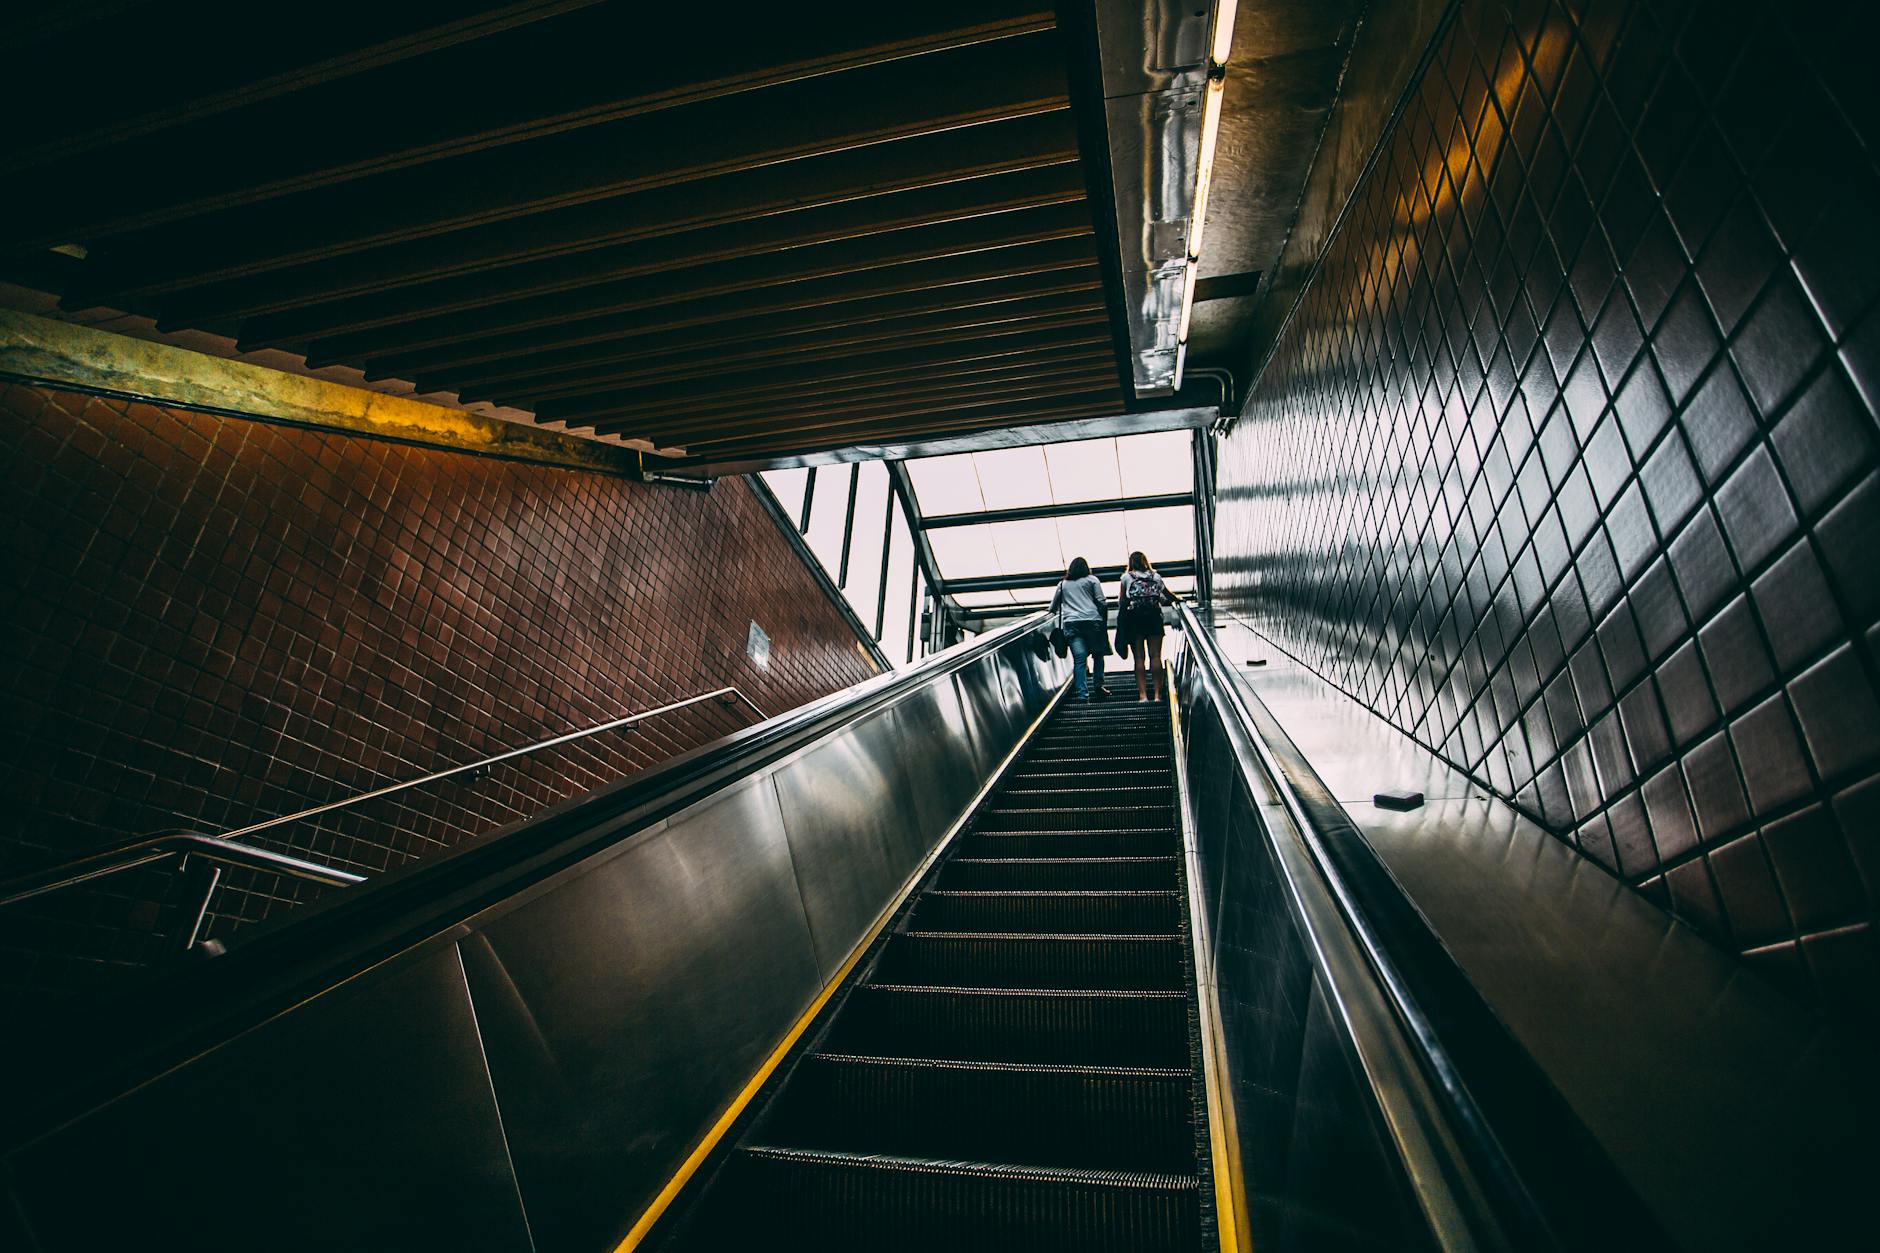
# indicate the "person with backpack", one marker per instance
pixel 1139 623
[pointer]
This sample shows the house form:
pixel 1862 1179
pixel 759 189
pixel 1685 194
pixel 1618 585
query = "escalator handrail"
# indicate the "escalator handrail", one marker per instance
pixel 1488 1202
pixel 327 941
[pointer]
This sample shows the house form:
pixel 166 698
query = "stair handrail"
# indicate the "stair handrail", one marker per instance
pixel 150 849
pixel 228 848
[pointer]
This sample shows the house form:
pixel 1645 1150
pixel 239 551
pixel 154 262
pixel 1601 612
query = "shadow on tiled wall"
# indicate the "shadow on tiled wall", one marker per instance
pixel 1565 463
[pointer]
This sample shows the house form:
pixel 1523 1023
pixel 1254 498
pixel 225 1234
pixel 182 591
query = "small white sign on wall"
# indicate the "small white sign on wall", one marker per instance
pixel 757 646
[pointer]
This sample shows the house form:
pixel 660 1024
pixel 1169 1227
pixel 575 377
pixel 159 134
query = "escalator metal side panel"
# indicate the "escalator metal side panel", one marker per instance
pixel 363 1119
pixel 849 816
pixel 1310 1138
pixel 994 728
pixel 619 1009
pixel 942 753
pixel 596 1025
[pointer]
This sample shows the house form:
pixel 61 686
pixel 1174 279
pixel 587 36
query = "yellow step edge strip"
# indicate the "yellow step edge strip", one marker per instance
pixel 703 1149
pixel 1230 1192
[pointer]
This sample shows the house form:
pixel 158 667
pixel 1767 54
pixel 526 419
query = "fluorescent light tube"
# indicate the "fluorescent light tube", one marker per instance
pixel 1223 40
pixel 1204 168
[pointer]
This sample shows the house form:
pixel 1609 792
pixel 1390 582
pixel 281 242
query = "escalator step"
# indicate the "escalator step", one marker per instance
pixel 1095 816
pixel 1090 874
pixel 1125 1118
pixel 852 1201
pixel 1085 1027
pixel 1068 843
pixel 1051 794
pixel 1056 737
pixel 1073 912
pixel 1092 759
pixel 1047 775
pixel 1016 960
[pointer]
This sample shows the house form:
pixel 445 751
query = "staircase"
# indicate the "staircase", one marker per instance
pixel 1016 1069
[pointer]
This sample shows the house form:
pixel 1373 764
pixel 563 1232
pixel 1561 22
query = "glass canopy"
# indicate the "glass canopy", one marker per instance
pixel 1090 471
pixel 1054 474
pixel 1134 493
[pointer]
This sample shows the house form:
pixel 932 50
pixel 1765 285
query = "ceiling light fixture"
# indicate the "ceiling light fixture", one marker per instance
pixel 1220 43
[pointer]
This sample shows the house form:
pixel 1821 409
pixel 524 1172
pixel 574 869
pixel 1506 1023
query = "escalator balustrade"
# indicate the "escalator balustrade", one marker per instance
pixel 1016 1066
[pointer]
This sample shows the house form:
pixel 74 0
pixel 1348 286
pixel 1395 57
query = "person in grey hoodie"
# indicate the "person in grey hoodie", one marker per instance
pixel 1085 617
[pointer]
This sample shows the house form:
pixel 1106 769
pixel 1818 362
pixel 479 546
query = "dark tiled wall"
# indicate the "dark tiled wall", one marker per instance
pixel 213 621
pixel 1566 463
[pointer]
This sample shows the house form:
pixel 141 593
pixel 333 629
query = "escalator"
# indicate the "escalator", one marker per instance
pixel 1016 1065
pixel 943 961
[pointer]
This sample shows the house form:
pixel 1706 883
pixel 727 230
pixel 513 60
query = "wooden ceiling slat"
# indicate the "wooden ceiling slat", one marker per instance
pixel 843 294
pixel 732 376
pixel 715 136
pixel 843 387
pixel 220 281
pixel 890 427
pixel 678 427
pixel 943 243
pixel 890 365
pixel 963 301
pixel 702 371
pixel 773 240
pixel 144 69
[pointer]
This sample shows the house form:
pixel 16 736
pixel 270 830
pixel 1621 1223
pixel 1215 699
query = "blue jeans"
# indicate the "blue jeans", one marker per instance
pixel 1080 649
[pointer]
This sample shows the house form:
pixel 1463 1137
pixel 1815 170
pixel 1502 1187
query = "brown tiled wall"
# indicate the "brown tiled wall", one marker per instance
pixel 1566 463
pixel 213 621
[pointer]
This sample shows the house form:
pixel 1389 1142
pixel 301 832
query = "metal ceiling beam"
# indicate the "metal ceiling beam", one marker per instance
pixel 982 613
pixel 992 233
pixel 221 280
pixel 680 423
pixel 672 255
pixel 231 62
pixel 889 367
pixel 956 418
pixel 1003 79
pixel 1050 578
pixel 679 430
pixel 847 296
pixel 837 388
pixel 850 298
pixel 939 444
pixel 910 507
pixel 1069 510
pixel 553 370
pixel 606 65
pixel 705 388
pixel 702 371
